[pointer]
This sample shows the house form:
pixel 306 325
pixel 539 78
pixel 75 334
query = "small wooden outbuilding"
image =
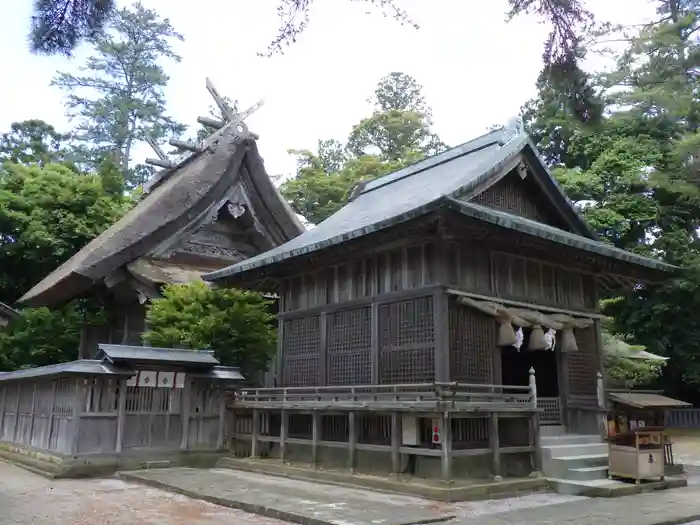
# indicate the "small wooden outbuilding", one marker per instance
pixel 128 401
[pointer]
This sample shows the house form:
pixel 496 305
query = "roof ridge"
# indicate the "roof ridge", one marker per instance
pixel 496 136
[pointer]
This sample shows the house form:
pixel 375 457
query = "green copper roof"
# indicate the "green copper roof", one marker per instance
pixel 431 184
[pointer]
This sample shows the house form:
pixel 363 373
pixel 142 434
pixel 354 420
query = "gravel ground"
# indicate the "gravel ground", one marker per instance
pixel 26 498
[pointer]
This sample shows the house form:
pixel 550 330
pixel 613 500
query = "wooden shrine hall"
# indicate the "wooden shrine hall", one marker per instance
pixel 212 206
pixel 438 321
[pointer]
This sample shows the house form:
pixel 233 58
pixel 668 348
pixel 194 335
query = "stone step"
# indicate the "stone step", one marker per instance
pixel 569 439
pixel 587 473
pixel 605 488
pixel 564 451
pixel 559 467
pixel 552 430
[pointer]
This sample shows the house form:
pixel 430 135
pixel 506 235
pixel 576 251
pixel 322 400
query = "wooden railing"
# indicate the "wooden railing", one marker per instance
pixel 438 397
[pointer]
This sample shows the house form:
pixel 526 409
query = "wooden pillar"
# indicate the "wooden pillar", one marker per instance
pixel 535 425
pixel 374 342
pixel 352 441
pixel 52 409
pixel 446 446
pixel 121 416
pixel 279 358
pixel 323 349
pixel 395 443
pixel 33 415
pixel 221 438
pixel 442 338
pixel 2 412
pixel 284 431
pixel 495 443
pixel 315 435
pixel 601 415
pixel 78 405
pixel 254 444
pixel 16 427
pixel 185 413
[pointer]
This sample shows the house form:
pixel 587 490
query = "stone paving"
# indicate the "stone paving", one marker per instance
pixel 26 498
pixel 29 499
pixel 340 505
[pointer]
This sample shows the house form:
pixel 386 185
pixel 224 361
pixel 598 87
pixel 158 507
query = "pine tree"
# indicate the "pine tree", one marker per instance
pixel 118 99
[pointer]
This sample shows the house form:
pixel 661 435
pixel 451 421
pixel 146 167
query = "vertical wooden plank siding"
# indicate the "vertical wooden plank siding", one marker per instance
pixel 52 410
pixel 33 414
pixel 16 428
pixel 220 438
pixel 185 414
pixel 121 415
pixel 78 405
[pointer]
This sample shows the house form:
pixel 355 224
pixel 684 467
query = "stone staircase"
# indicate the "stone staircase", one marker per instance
pixel 574 462
pixel 577 464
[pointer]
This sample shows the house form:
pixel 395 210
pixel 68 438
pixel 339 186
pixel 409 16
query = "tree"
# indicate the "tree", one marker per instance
pixel 635 174
pixel 400 124
pixel 395 135
pixel 59 26
pixel 33 141
pixel 46 215
pixel 118 99
pixel 40 337
pixel 237 325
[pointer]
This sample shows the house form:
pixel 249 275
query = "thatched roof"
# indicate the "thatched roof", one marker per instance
pixel 179 197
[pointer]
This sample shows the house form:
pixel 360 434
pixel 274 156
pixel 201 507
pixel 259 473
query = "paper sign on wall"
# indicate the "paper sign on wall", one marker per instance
pixel 151 378
pixel 147 378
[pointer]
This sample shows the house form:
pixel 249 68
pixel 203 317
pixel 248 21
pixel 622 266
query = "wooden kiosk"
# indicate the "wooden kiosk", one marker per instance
pixel 637 454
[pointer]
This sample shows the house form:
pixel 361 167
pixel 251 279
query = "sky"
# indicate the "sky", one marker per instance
pixel 477 69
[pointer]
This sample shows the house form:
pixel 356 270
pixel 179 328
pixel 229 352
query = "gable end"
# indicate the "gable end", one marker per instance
pixel 521 196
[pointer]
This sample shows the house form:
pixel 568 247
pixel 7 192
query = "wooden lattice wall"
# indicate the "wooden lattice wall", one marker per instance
pixel 337 348
pixel 472 345
pixel 349 358
pixel 407 341
pixel 302 351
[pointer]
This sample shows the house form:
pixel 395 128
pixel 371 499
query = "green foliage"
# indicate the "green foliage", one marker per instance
pixel 33 141
pixel 58 26
pixel 635 175
pixel 40 337
pixel 237 325
pixel 46 215
pixel 395 135
pixel 622 371
pixel 118 99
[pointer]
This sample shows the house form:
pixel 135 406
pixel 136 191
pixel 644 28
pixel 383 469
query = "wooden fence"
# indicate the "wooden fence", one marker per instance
pixel 88 415
pixel 682 418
